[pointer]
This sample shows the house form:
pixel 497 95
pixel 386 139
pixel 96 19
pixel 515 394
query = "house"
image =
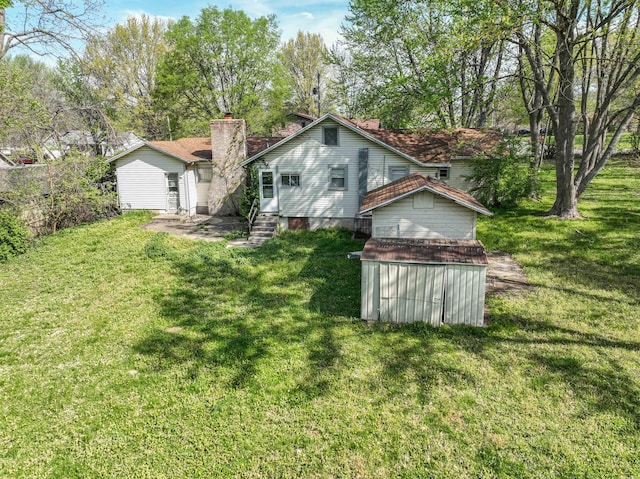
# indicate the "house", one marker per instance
pixel 318 176
pixel 187 176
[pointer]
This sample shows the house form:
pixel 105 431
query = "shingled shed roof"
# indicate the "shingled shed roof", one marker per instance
pixel 424 251
pixel 414 183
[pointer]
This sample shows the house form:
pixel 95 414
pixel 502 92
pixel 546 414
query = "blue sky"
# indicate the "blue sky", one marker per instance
pixel 315 16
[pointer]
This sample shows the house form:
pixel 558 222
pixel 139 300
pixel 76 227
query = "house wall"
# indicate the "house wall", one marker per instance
pixel 142 181
pixel 459 170
pixel 424 215
pixel 307 156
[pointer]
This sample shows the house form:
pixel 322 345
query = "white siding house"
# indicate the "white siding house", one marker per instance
pixel 418 206
pixel 321 173
pixel 151 179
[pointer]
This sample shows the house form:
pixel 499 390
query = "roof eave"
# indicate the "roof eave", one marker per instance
pixel 155 148
pixel 340 122
pixel 472 207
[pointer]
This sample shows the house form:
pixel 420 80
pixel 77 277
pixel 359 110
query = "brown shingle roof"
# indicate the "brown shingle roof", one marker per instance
pixel 425 251
pixel 439 146
pixel 187 149
pixel 256 144
pixel 412 184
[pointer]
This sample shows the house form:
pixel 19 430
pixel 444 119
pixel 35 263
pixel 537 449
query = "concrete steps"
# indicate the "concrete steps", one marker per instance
pixel 264 228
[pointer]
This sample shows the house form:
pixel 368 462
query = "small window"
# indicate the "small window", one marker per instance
pixel 205 173
pixel 330 135
pixel 397 172
pixel 338 177
pixel 290 180
pixel 444 173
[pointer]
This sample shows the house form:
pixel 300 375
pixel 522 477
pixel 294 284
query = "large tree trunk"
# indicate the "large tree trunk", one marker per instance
pixel 566 204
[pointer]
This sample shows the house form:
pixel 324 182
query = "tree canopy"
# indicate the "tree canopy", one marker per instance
pixel 222 62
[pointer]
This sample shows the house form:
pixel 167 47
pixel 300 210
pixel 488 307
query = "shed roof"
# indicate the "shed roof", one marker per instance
pixel 415 183
pixel 189 150
pixel 425 251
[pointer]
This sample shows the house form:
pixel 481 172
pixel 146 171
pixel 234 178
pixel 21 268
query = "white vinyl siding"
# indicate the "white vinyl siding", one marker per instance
pixel 142 181
pixel 308 155
pixel 445 219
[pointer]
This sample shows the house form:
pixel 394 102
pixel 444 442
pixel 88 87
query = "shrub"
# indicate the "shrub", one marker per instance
pixel 14 236
pixel 503 179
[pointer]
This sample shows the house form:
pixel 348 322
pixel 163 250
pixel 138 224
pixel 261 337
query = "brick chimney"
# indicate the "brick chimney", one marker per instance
pixel 228 150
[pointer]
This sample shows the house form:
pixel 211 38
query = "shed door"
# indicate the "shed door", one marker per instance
pixel 173 193
pixel 410 292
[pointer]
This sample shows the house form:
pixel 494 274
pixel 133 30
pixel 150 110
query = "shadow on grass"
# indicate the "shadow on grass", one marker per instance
pixel 232 309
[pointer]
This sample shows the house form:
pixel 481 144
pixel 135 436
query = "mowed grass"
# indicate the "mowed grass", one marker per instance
pixel 128 353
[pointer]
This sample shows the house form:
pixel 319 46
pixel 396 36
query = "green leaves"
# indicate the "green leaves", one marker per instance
pixel 223 61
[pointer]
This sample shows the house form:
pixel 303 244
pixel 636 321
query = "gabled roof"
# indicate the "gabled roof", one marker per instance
pixel 423 147
pixel 188 150
pixel 256 144
pixel 425 251
pixel 415 183
pixel 341 121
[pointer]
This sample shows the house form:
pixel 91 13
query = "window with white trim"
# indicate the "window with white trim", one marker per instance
pixel 444 173
pixel 330 135
pixel 397 172
pixel 338 177
pixel 205 173
pixel 290 180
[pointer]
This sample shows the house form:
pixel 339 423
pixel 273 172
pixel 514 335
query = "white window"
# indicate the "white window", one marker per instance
pixel 338 177
pixel 444 173
pixel 205 173
pixel 330 135
pixel 397 172
pixel 290 180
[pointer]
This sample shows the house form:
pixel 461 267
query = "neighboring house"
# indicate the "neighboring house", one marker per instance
pixel 187 176
pixel 318 176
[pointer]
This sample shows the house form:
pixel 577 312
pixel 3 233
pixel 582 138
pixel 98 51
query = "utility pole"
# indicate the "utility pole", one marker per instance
pixel 316 91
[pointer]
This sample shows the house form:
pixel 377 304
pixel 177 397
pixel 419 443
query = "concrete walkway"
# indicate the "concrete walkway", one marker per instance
pixel 201 227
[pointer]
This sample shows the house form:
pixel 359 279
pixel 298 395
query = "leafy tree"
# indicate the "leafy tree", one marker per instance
pixel 593 62
pixel 222 62
pixel 423 61
pixel 120 66
pixel 45 26
pixel 304 58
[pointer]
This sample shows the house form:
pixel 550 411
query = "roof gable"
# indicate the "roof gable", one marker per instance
pixel 415 183
pixel 329 117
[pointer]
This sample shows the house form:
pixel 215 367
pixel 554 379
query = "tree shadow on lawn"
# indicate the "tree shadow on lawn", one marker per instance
pixel 233 309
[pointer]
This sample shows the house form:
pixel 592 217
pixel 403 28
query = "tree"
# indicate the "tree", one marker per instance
pixel 222 62
pixel 594 61
pixel 120 65
pixel 304 58
pixel 45 26
pixel 423 61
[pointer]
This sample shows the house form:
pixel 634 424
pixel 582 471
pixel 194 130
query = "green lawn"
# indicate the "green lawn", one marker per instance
pixel 128 353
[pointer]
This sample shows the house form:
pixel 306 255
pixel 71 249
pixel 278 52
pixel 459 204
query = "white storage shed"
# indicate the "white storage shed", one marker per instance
pixel 435 281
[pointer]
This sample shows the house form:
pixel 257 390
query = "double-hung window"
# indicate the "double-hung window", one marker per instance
pixel 290 180
pixel 205 173
pixel 338 177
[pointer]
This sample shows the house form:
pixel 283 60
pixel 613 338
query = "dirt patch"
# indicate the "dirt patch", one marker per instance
pixel 505 275
pixel 206 228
